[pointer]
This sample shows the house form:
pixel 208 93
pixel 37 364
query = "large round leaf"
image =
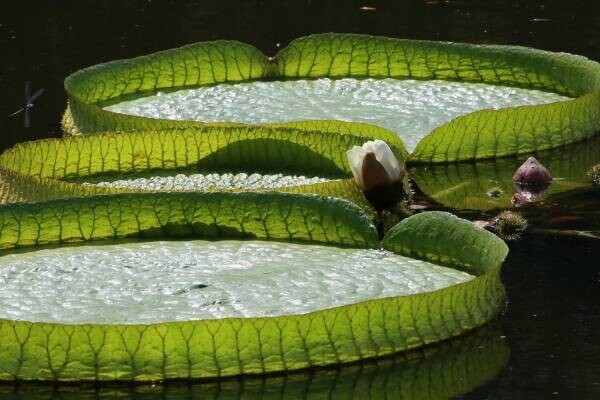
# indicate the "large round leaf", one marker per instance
pixel 479 135
pixel 230 346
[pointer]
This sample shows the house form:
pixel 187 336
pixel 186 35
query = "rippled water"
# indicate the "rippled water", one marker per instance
pixel 409 107
pixel 184 280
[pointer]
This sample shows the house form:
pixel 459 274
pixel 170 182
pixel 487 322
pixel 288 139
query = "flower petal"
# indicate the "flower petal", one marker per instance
pixel 373 173
pixel 387 158
pixel 355 160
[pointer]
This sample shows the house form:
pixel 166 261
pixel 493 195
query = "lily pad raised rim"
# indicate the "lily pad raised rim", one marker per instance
pixel 479 135
pixel 40 170
pixel 209 349
pixel 450 368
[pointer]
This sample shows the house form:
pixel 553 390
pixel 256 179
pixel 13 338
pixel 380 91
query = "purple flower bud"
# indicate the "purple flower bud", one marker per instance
pixel 532 173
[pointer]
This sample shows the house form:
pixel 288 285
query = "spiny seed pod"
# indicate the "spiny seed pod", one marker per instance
pixel 509 225
pixel 594 174
pixel 532 173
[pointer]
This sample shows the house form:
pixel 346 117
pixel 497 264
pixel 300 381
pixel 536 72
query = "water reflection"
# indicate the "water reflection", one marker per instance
pixel 436 372
pixel 488 185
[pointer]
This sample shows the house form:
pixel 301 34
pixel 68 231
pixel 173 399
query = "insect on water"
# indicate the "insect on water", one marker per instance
pixel 29 99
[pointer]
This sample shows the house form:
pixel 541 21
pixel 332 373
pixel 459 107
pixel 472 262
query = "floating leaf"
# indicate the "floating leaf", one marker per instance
pixel 229 346
pixel 479 135
pixel 447 240
pixel 482 134
pixel 28 166
pixel 191 65
pixel 274 216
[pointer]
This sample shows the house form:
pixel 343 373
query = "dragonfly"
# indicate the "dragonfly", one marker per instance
pixel 29 99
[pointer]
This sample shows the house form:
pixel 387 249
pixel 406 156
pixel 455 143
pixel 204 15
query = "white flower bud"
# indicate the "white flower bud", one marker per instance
pixel 374 164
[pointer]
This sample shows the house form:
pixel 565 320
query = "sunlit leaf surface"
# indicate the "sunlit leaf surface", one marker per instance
pixel 224 347
pixel 479 135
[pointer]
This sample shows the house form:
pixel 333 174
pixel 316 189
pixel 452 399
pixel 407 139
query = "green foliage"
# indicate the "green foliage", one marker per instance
pixel 479 135
pixel 445 239
pixel 192 65
pixel 342 188
pixel 512 131
pixel 272 216
pixel 238 346
pixel 353 55
pixel 20 187
pixel 230 346
pixel 30 167
pixel 450 369
pixel 482 134
pixel 211 147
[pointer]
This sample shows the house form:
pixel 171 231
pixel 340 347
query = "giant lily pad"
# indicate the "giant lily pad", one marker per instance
pixel 314 149
pixel 31 169
pixel 218 347
pixel 478 135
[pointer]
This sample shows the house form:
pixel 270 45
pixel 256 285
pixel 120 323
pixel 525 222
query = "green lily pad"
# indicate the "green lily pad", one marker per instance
pixel 478 135
pixel 312 148
pixel 55 168
pixel 222 347
pixel 106 146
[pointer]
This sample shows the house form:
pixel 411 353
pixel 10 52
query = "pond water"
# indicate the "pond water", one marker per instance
pixel 552 276
pixel 411 108
pixel 140 283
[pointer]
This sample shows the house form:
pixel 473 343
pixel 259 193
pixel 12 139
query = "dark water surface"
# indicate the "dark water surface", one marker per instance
pixel 547 342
